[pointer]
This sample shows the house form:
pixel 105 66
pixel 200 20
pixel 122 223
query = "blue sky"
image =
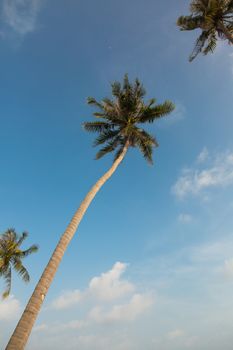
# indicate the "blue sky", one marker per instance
pixel 152 263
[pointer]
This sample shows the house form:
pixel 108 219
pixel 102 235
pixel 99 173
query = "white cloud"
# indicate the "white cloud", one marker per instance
pixel 203 155
pixel 9 309
pixel 109 286
pixel 101 303
pixel 129 311
pixel 115 340
pixel 106 287
pixel 21 15
pixel 213 252
pixel 67 299
pixel 137 305
pixel 185 218
pixel 195 180
pixel 177 333
pixel 60 327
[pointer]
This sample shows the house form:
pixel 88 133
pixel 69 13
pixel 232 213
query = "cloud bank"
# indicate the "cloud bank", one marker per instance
pixel 108 299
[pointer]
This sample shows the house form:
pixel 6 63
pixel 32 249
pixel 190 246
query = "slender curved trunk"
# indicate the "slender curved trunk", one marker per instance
pixel 23 329
pixel 225 31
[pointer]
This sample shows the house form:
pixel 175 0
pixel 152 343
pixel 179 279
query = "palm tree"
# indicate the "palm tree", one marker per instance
pixel 117 124
pixel 214 18
pixel 11 257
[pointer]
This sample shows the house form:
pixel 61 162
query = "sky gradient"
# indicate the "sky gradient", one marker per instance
pixel 151 266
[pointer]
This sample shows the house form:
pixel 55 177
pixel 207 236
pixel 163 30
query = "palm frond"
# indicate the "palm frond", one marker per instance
pixel 110 147
pixel 151 102
pixel 33 249
pixel 146 150
pixel 108 102
pixel 200 43
pixel 94 102
pixel 139 90
pixel 189 22
pixel 105 136
pixel 9 235
pixel 229 7
pixel 116 89
pixel 212 43
pixel 97 126
pixel 22 238
pixel 20 269
pixel 199 6
pixel 159 111
pixel 126 85
pixel 7 278
pixel 148 138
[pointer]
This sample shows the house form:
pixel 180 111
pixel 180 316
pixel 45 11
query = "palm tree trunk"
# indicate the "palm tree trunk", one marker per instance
pixel 225 31
pixel 23 329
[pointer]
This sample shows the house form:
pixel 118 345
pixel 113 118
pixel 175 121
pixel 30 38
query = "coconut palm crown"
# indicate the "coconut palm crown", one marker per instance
pixel 11 256
pixel 120 119
pixel 214 18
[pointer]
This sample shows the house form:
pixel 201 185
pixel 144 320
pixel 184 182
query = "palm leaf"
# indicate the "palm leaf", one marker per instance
pixel 159 111
pixel 22 238
pixel 139 90
pixel 189 22
pixel 116 89
pixel 105 136
pixel 97 126
pixel 110 147
pixel 212 43
pixel 200 43
pixel 20 269
pixel 7 278
pixel 92 101
pixel 146 150
pixel 33 249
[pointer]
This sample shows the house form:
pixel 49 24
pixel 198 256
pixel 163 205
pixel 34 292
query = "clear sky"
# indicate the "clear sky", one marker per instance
pixel 151 266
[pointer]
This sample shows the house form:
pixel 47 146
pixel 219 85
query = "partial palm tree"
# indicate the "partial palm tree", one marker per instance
pixel 11 256
pixel 215 20
pixel 118 126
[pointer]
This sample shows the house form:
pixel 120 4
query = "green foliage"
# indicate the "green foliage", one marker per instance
pixel 214 18
pixel 11 257
pixel 121 117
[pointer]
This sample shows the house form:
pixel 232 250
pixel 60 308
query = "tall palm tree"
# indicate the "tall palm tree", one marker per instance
pixel 214 18
pixel 11 256
pixel 118 125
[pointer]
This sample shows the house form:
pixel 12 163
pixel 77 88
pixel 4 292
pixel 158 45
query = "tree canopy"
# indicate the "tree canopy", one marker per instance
pixel 120 119
pixel 11 256
pixel 214 18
